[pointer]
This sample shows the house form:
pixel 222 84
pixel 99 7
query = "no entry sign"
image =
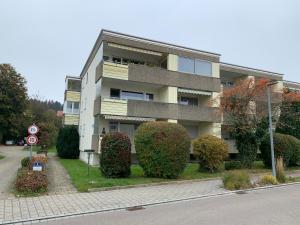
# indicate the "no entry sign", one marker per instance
pixel 32 140
pixel 33 129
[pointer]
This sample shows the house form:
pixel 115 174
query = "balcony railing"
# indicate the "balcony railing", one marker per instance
pixel 156 75
pixel 158 110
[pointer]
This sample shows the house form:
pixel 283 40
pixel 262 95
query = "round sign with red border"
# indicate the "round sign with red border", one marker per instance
pixel 32 140
pixel 33 129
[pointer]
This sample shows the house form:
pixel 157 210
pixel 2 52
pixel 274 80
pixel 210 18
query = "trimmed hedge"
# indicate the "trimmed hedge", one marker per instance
pixel 67 144
pixel 115 157
pixel 162 148
pixel 232 165
pixel 285 146
pixel 31 182
pixel 211 152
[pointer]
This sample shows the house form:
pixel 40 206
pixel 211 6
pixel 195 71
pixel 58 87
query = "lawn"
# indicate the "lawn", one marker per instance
pixel 78 173
pixel 2 156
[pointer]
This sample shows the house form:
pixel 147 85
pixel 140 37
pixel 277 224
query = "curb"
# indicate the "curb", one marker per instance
pixel 152 184
pixel 48 218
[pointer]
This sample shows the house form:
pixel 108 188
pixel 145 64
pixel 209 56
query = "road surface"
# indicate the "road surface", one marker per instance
pixel 274 206
pixel 8 168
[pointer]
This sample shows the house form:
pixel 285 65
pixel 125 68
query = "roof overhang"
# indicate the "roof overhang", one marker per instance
pixel 146 44
pixel 250 71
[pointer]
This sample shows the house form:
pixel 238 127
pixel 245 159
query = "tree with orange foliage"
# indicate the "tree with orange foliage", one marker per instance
pixel 244 109
pixel 289 120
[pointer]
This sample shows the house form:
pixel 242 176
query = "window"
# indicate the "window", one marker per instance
pixel 188 101
pixel 72 107
pixel 203 67
pixel 116 60
pixel 149 97
pixel 75 107
pixel 195 66
pixel 105 58
pixel 132 95
pixel 69 107
pixel 186 65
pixel 114 93
pixel 113 127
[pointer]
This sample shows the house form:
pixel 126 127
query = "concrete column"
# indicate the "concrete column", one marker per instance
pixel 172 62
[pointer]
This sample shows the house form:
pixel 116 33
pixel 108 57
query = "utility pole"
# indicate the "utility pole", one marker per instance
pixel 271 127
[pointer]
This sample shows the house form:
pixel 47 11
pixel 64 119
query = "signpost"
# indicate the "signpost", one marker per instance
pixel 89 152
pixel 32 139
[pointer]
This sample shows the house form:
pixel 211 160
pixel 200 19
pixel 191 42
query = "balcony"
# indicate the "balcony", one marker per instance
pixel 157 110
pixel 72 96
pixel 156 75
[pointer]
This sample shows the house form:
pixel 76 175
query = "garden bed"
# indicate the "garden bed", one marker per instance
pixel 2 156
pixel 78 173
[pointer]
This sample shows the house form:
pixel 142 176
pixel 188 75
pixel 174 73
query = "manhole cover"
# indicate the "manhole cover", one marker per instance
pixel 135 208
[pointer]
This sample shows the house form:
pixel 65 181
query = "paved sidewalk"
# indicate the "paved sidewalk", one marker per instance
pixel 37 208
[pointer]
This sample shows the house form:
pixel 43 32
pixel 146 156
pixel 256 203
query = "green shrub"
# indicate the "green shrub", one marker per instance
pixel 31 182
pixel 211 151
pixel 247 145
pixel 115 157
pixel 162 148
pixel 67 144
pixel 232 165
pixel 285 146
pixel 267 180
pixel 25 162
pixel 236 180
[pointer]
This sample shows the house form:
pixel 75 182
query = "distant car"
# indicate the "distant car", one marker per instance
pixel 9 142
pixel 20 142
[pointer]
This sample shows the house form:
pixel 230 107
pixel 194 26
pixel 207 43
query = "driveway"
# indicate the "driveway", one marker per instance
pixel 8 168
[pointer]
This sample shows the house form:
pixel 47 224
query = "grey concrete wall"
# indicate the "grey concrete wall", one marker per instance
pixel 172 111
pixel 155 75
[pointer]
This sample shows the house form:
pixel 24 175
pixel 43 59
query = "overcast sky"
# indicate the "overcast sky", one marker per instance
pixel 48 39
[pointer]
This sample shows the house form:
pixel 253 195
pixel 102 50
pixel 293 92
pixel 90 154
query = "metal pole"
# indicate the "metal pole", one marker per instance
pixel 30 152
pixel 89 167
pixel 271 132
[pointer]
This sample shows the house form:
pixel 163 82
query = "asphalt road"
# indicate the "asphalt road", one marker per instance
pixel 8 168
pixel 279 205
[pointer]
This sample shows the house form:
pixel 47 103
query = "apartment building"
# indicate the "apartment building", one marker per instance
pixel 71 100
pixel 292 86
pixel 129 80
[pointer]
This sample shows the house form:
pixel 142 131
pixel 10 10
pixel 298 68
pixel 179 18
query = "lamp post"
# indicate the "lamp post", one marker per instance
pixel 271 127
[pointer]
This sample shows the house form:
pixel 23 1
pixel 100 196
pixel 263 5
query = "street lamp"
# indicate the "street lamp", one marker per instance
pixel 270 126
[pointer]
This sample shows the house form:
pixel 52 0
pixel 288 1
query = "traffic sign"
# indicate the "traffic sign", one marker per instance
pixel 32 139
pixel 33 129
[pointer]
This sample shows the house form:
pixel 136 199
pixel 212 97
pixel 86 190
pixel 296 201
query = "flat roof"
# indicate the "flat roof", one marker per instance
pixel 250 69
pixel 136 39
pixel 72 77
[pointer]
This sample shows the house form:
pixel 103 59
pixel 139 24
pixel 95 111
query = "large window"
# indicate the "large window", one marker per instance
pixel 186 65
pixel 188 101
pixel 120 94
pixel 195 66
pixel 132 95
pixel 72 107
pixel 203 67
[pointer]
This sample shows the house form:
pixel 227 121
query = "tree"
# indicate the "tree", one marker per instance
pixel 289 120
pixel 44 115
pixel 244 107
pixel 13 102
